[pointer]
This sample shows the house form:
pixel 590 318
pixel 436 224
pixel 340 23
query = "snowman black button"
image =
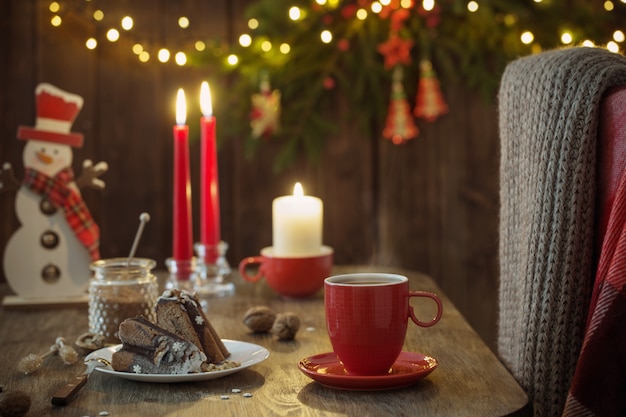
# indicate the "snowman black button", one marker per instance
pixel 47 207
pixel 50 273
pixel 49 239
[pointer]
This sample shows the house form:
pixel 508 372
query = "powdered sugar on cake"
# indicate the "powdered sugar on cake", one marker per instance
pixel 147 348
pixel 181 341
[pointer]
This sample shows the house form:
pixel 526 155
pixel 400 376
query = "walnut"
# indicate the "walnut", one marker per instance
pixel 259 319
pixel 286 325
pixel 14 403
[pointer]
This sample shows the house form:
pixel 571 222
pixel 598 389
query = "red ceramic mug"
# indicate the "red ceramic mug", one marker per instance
pixel 367 316
pixel 299 276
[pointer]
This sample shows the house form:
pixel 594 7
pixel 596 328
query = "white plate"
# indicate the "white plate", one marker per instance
pixel 247 354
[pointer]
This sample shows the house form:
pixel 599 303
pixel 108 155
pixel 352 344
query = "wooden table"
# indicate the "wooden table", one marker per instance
pixel 469 381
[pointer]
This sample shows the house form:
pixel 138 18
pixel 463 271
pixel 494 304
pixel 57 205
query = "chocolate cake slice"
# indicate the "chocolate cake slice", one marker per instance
pixel 180 312
pixel 149 349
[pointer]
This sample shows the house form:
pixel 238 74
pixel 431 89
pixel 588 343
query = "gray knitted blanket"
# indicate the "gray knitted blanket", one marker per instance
pixel 548 119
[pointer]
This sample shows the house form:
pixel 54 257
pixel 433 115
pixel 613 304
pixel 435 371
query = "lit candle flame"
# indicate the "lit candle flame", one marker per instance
pixel 181 107
pixel 205 100
pixel 297 190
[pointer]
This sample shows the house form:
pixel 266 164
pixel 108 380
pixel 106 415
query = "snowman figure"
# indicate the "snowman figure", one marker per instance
pixel 48 256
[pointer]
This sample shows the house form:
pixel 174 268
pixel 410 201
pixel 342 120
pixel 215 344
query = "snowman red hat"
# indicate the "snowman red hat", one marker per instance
pixel 56 111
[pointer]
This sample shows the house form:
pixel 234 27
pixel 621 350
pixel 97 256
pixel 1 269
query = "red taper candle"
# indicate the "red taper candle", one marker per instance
pixel 182 227
pixel 209 184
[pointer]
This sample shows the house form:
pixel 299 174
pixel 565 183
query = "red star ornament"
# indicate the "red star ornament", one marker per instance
pixel 396 51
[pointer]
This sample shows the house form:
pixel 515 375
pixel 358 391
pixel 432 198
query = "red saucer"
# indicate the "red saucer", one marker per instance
pixel 329 371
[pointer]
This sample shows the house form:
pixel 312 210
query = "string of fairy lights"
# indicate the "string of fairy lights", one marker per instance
pixel 115 30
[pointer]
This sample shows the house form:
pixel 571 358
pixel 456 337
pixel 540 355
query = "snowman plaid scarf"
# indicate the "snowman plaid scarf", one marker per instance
pixel 63 197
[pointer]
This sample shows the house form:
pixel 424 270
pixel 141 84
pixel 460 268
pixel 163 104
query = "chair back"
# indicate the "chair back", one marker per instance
pixel 549 114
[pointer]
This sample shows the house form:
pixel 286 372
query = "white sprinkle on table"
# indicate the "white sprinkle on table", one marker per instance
pixel 235 390
pixel 247 395
pixel 224 397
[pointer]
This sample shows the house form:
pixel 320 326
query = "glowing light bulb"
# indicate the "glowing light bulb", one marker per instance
pixel 200 46
pixel 183 22
pixel 232 59
pixel 163 55
pixel 284 48
pixel 91 43
pixel 510 19
pixel 245 40
pixel 54 7
pixel 361 14
pixel 113 35
pixel 320 2
pixel 144 56
pixel 472 6
pixel 56 21
pixel 566 38
pixel 295 13
pixel 98 15
pixel 527 37
pixel 127 23
pixel 618 36
pixel 613 47
pixel 588 43
pixel 428 5
pixel 385 2
pixel 266 46
pixel 609 6
pixel 180 58
pixel 137 48
pixel 376 7
pixel 326 36
pixel 253 23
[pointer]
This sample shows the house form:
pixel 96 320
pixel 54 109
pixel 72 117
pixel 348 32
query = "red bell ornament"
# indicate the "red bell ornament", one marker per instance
pixel 399 126
pixel 429 103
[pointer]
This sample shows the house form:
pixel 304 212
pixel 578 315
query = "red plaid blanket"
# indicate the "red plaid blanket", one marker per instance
pixel 63 197
pixel 599 384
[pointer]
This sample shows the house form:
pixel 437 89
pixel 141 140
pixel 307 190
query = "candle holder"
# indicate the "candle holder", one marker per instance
pixel 213 271
pixel 183 275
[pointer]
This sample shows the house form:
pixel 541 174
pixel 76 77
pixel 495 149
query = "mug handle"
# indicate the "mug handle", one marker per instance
pixel 251 260
pixel 432 296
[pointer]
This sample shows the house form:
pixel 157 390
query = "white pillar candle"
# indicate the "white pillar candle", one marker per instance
pixel 297 224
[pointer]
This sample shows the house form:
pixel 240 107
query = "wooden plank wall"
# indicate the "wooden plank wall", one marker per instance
pixel 428 205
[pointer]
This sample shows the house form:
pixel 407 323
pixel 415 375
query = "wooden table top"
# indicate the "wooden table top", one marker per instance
pixel 469 380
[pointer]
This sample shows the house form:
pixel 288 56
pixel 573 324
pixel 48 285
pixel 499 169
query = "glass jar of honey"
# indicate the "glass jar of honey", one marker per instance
pixel 120 289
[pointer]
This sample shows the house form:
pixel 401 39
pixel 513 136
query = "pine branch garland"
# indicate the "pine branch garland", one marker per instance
pixel 464 47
